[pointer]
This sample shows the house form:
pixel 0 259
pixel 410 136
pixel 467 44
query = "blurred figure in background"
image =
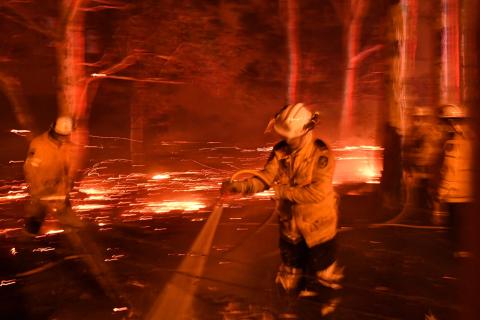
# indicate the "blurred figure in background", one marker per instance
pixel 300 170
pixel 50 175
pixel 455 194
pixel 422 158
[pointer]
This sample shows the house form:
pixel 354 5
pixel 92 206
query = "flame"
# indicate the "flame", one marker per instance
pixel 370 173
pixel 362 163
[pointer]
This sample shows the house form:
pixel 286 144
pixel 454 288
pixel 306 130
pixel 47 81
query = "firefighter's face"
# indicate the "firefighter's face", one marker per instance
pixel 297 142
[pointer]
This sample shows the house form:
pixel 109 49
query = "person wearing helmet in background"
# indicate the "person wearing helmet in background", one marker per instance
pixel 455 193
pixel 300 170
pixel 422 154
pixel 49 173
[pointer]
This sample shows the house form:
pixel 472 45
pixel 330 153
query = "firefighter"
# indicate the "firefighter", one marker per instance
pixel 300 170
pixel 455 194
pixel 49 174
pixel 422 155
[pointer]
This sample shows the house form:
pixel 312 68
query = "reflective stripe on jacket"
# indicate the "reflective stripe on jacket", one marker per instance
pixel 306 200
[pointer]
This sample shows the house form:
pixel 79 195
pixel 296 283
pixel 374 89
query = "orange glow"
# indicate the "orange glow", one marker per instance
pixel 265 195
pixel 371 173
pixel 356 164
pixel 6 230
pixel 362 147
pixel 5 283
pixel 161 176
pixel 203 187
pixel 46 249
pixel 167 206
pixel 54 231
pixel 86 207
pixel 93 191
pixel 97 198
pixel 13 196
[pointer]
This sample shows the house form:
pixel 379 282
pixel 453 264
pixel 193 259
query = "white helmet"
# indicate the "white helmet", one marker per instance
pixel 63 125
pixel 293 121
pixel 452 111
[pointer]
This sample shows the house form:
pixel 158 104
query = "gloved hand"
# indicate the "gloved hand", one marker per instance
pixel 280 191
pixel 230 187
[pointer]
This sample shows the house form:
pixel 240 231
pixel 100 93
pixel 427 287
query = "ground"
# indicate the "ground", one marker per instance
pixel 156 232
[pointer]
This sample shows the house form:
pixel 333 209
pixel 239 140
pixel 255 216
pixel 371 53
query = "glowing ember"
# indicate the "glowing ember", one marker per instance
pixel 46 249
pixel 6 230
pixel 93 191
pixel 351 148
pixel 167 206
pixel 97 198
pixel 13 251
pixel 13 196
pixel 5 283
pixel 86 207
pixel 203 187
pixel 54 231
pixel 161 176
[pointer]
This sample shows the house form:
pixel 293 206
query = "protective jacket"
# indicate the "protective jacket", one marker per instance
pixel 423 151
pixel 47 168
pixel 456 173
pixel 302 180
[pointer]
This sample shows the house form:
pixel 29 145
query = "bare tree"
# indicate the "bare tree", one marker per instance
pixel 75 86
pixel 293 49
pixel 450 68
pixel 405 22
pixel 12 88
pixel 353 17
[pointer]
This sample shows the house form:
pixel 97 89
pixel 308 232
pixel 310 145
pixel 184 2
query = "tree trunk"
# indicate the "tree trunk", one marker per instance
pixel 358 9
pixel 14 92
pixel 404 64
pixel 401 97
pixel 71 74
pixel 450 70
pixel 293 50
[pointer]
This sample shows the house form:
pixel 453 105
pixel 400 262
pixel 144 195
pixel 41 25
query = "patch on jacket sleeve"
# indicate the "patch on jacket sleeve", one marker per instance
pixel 322 162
